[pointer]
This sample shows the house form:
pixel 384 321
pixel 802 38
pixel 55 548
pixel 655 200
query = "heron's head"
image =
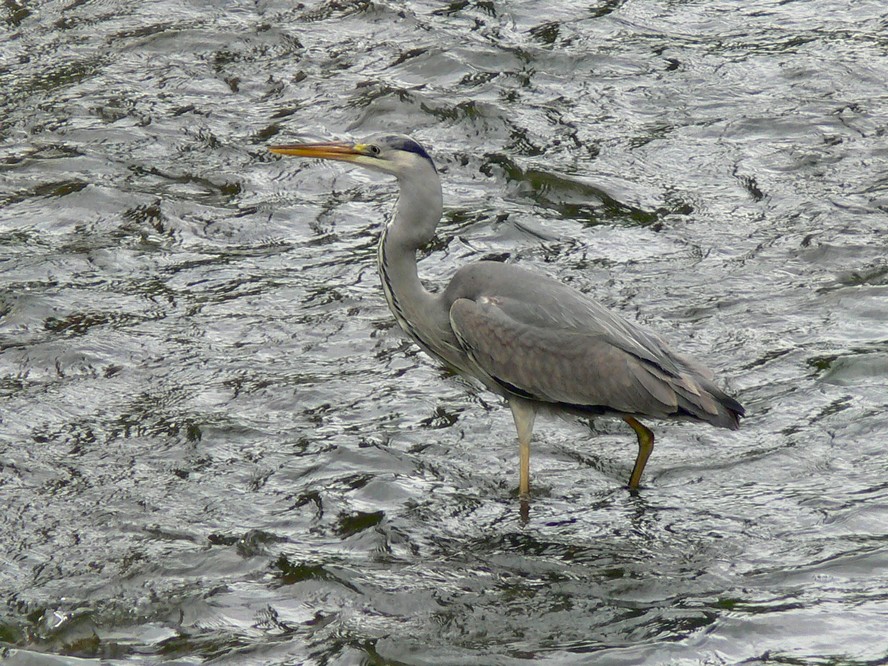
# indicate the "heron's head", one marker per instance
pixel 395 154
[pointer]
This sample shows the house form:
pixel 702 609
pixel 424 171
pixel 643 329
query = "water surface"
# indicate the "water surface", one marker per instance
pixel 215 444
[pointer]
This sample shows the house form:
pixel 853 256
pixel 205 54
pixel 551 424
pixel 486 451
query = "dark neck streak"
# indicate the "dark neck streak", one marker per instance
pixel 392 294
pixel 411 227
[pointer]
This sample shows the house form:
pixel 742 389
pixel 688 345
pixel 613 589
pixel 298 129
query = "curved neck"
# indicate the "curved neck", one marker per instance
pixel 411 227
pixel 417 212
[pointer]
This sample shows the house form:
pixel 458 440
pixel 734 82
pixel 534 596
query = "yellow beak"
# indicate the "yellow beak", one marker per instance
pixel 334 150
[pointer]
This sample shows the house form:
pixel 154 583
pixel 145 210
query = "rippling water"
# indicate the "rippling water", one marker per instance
pixel 215 444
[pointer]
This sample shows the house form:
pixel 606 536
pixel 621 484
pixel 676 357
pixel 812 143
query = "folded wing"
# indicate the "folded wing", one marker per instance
pixel 580 355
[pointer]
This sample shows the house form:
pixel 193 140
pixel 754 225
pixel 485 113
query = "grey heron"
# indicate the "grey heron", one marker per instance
pixel 539 344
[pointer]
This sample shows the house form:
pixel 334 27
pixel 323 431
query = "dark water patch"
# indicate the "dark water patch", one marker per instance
pixel 570 198
pixel 52 189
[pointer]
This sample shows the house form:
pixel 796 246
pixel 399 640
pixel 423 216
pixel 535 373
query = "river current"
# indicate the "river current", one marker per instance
pixel 216 446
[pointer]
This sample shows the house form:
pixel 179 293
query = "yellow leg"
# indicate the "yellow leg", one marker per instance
pixel 645 447
pixel 524 414
pixel 524 468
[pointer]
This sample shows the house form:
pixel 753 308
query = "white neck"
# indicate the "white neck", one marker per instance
pixel 411 227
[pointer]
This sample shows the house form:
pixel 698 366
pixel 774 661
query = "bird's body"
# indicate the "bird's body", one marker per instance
pixel 525 336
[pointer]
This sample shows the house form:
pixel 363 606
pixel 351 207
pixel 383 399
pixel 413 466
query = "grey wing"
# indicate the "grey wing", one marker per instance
pixel 578 355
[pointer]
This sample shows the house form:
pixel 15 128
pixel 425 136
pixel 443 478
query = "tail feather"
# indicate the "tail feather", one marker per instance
pixel 720 409
pixel 692 394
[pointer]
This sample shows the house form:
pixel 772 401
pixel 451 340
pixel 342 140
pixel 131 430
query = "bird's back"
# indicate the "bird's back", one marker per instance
pixel 528 335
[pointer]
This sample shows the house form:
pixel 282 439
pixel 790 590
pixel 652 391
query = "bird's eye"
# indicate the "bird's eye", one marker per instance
pixel 373 150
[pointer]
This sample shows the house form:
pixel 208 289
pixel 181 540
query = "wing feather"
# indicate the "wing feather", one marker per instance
pixel 538 338
pixel 558 365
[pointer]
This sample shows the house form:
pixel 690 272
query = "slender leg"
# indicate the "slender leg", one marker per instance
pixel 524 413
pixel 645 447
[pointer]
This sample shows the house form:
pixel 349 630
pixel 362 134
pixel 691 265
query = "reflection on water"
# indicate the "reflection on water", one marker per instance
pixel 216 445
